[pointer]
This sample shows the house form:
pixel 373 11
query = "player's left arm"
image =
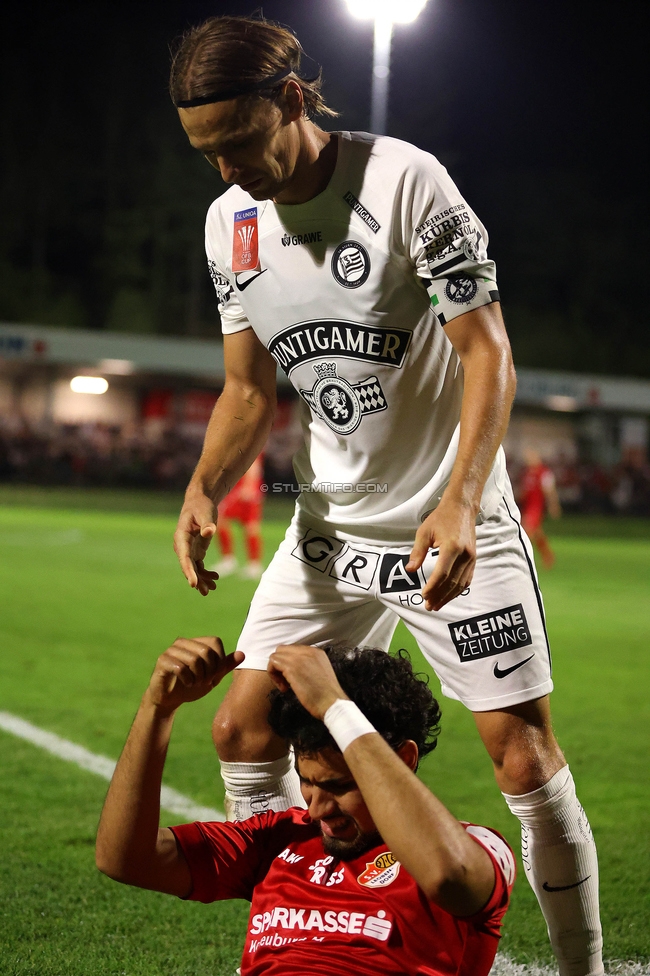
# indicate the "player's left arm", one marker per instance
pixel 480 339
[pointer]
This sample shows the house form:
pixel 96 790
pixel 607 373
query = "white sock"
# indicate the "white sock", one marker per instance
pixel 256 787
pixel 561 865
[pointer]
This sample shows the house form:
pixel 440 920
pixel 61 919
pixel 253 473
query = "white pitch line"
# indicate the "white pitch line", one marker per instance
pixel 170 799
pixel 181 805
pixel 504 966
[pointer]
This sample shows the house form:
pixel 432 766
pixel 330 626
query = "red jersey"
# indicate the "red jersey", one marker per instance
pixel 244 501
pixel 312 913
pixel 536 480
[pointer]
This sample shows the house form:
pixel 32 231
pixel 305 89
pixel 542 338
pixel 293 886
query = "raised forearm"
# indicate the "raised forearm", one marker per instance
pixel 238 429
pixel 128 829
pixel 419 830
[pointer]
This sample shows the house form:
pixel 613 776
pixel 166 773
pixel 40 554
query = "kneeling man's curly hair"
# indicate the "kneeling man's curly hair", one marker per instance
pixel 398 702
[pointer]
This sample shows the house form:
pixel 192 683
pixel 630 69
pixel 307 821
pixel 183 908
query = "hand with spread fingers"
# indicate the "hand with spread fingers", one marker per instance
pixel 189 670
pixel 451 529
pixel 196 527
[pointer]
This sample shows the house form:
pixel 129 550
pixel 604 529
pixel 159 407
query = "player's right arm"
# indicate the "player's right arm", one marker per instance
pixel 131 847
pixel 238 428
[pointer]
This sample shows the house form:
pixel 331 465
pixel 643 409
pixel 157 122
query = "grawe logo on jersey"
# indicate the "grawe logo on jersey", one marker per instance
pixel 314 237
pixel 491 633
pixel 380 872
pixel 245 241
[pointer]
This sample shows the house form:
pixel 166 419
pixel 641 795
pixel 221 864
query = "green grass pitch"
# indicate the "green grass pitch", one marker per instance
pixel 91 597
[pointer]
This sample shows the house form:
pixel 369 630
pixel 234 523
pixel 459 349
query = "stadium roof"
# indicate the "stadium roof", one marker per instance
pixel 111 352
pixel 122 353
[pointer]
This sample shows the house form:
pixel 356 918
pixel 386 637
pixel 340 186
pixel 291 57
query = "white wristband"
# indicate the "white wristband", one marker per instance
pixel 346 722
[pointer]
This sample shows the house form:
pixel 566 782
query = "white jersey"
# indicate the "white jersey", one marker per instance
pixel 350 292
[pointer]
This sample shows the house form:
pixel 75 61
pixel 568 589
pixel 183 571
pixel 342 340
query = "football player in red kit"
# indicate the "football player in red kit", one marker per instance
pixel 376 876
pixel 244 505
pixel 538 495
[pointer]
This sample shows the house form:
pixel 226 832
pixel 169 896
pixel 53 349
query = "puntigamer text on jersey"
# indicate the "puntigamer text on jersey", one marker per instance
pixel 309 340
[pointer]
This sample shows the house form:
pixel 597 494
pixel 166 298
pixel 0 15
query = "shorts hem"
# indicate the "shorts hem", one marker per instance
pixel 504 701
pixel 247 665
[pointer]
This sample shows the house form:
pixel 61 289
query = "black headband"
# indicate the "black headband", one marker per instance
pixel 225 96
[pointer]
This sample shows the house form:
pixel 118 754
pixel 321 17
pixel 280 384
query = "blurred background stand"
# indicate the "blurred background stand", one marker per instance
pixel 145 402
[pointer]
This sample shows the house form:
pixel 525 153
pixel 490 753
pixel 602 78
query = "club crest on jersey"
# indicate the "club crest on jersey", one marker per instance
pixel 341 404
pixel 245 241
pixel 380 872
pixel 351 264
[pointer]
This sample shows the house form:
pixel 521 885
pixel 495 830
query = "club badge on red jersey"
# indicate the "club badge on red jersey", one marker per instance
pixel 245 241
pixel 380 872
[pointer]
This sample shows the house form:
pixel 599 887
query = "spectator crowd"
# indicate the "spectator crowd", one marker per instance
pixel 154 456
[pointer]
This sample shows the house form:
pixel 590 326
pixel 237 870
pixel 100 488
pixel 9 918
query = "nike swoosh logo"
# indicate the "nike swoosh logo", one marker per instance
pixel 547 887
pixel 244 285
pixel 498 673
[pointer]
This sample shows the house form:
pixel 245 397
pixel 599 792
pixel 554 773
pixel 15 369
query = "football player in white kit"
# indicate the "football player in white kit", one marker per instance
pixel 353 263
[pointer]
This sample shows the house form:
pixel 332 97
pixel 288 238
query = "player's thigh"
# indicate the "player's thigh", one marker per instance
pixel 488 646
pixel 316 590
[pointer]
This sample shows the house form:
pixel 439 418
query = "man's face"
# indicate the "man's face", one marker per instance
pixel 253 143
pixel 333 798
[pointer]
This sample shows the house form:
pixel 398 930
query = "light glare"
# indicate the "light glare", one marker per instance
pixel 394 11
pixel 121 367
pixel 566 404
pixel 88 384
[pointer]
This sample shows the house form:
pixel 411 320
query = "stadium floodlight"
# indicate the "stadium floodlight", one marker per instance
pixel 384 13
pixel 88 384
pixel 397 11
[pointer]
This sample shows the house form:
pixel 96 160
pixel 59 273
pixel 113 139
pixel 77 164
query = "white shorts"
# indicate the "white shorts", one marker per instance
pixel 488 646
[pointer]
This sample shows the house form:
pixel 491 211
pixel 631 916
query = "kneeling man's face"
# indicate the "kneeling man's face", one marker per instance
pixel 333 798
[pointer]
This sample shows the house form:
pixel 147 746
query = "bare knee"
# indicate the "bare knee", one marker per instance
pixel 239 738
pixel 240 731
pixel 527 766
pixel 522 746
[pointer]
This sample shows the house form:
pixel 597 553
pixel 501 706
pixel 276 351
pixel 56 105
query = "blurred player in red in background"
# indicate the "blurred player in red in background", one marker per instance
pixel 244 505
pixel 538 495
